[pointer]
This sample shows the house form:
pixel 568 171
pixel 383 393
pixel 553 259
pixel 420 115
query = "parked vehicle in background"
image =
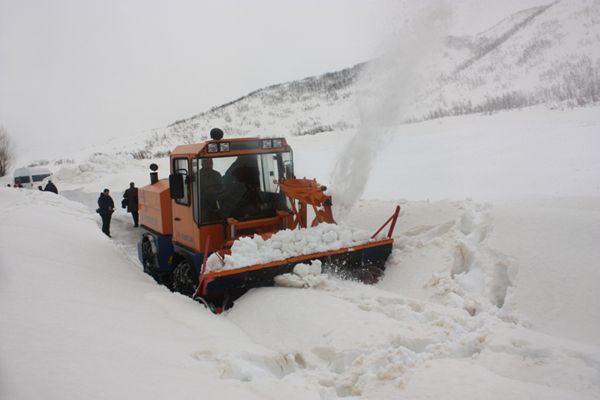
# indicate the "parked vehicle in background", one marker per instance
pixel 31 177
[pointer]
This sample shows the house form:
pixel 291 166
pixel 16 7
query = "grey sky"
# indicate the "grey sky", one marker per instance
pixel 75 72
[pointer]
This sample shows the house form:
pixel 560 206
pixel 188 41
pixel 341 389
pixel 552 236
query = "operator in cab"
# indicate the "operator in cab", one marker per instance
pixel 241 183
pixel 211 185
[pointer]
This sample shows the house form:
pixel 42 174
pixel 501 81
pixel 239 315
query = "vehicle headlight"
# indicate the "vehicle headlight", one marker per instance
pixel 224 146
pixel 277 142
pixel 267 144
pixel 213 147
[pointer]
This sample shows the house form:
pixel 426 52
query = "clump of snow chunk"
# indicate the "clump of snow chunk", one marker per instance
pixel 285 244
pixel 303 276
pixel 304 270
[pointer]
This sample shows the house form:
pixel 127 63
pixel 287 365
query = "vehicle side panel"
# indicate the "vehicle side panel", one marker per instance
pixel 155 207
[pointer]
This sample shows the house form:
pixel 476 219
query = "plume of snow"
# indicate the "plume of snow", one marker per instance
pixel 388 85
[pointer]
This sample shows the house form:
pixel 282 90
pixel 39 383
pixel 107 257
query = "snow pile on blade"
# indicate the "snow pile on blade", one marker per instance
pixel 285 244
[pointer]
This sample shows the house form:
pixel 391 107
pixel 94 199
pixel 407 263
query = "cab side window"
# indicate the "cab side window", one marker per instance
pixel 181 166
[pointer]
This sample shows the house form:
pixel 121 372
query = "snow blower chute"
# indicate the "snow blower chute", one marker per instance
pixel 227 195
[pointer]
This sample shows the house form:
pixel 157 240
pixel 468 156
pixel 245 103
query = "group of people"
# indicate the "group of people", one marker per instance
pixel 106 206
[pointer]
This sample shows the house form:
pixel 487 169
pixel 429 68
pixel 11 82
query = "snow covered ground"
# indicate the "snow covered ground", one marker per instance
pixel 490 291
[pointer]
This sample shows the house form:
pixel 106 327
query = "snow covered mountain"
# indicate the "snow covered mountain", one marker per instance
pixel 542 55
pixel 546 55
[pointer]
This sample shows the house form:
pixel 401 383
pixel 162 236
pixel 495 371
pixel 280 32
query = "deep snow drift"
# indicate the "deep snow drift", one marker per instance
pixel 486 298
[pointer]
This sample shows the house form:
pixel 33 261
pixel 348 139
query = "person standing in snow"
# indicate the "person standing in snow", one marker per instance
pixel 51 187
pixel 106 207
pixel 130 200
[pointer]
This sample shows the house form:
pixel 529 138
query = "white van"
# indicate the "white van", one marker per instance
pixel 31 177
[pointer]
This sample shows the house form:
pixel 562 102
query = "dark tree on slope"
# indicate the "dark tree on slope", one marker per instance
pixel 6 151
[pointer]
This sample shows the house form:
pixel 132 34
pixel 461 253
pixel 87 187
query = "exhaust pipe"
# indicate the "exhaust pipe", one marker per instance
pixel 153 174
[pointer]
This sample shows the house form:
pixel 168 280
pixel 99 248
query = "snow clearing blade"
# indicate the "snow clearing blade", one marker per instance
pixel 364 262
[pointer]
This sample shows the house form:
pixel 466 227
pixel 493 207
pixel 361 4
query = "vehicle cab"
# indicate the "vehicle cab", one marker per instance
pixel 223 189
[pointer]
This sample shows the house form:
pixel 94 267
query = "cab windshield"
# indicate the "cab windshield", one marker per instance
pixel 243 187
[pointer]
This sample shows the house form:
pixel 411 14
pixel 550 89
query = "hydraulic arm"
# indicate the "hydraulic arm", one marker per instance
pixel 305 192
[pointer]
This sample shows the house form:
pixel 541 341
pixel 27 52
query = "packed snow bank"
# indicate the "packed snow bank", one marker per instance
pixel 555 243
pixel 289 243
pixel 537 259
pixel 80 320
pixel 449 261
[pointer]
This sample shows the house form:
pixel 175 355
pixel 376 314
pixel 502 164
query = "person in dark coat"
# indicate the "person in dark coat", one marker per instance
pixel 130 199
pixel 51 187
pixel 106 207
pixel 211 185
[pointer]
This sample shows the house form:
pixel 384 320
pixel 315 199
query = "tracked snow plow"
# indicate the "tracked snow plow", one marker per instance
pixel 221 193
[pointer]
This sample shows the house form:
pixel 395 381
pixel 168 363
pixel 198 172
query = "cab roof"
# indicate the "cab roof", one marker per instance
pixel 236 146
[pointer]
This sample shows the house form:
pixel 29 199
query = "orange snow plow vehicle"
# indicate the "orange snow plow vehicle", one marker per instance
pixel 221 191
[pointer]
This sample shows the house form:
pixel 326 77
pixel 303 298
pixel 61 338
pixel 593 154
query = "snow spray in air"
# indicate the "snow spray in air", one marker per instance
pixel 386 87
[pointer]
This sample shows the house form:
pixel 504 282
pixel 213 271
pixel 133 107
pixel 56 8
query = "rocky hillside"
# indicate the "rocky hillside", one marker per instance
pixel 546 55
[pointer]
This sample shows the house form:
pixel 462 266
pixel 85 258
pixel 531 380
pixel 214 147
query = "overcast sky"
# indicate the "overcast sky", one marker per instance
pixel 76 72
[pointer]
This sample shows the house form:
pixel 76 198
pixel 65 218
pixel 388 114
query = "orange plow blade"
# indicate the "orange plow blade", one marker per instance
pixel 365 263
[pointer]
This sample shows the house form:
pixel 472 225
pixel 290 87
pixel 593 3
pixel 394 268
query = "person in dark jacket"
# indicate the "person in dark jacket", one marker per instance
pixel 211 185
pixel 106 207
pixel 51 187
pixel 130 200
